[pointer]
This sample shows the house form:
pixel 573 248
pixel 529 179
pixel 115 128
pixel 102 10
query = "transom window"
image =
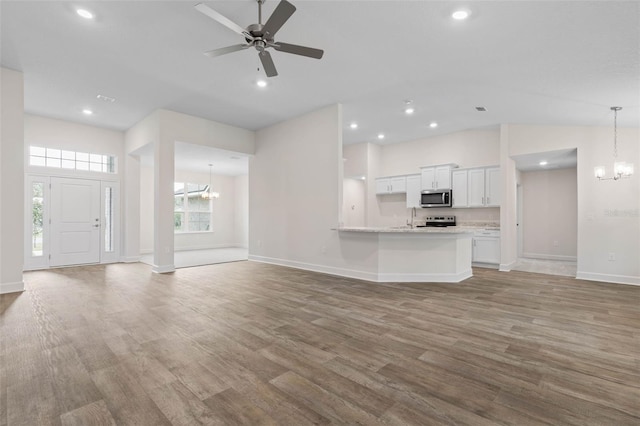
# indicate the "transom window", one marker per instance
pixel 192 212
pixel 71 160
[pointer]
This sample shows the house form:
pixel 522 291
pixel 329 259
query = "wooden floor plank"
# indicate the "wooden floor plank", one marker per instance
pixel 95 414
pixel 251 343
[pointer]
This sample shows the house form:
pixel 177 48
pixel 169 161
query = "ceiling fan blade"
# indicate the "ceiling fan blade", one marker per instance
pixel 206 10
pixel 225 50
pixel 267 64
pixel 298 50
pixel 280 15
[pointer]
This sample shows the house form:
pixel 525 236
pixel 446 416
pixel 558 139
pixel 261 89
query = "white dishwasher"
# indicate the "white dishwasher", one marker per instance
pixel 486 248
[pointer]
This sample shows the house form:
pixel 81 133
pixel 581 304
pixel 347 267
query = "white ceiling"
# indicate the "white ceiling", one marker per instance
pixel 561 159
pixel 196 158
pixel 538 62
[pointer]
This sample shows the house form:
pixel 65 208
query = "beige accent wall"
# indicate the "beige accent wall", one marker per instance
pixel 550 214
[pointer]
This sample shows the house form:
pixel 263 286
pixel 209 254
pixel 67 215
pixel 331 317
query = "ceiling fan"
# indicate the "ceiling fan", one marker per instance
pixel 261 36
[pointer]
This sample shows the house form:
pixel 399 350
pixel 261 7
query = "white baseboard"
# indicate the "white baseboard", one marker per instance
pixel 14 287
pixel 130 259
pixel 363 275
pixel 190 248
pixel 349 273
pixel 485 265
pixel 550 257
pixel 608 278
pixel 164 269
pixel 424 278
pixel 506 267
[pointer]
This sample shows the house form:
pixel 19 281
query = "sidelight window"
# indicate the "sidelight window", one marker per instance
pixel 37 219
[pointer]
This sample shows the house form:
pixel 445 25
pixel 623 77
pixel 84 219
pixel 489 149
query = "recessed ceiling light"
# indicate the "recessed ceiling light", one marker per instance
pixel 460 15
pixel 433 125
pixel 409 110
pixel 353 126
pixel 87 111
pixel 380 135
pixel 543 163
pixel 261 83
pixel 84 13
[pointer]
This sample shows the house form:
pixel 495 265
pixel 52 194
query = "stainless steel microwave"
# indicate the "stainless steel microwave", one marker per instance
pixel 436 198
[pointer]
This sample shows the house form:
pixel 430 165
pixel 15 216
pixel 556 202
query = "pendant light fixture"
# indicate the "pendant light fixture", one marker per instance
pixel 620 168
pixel 208 193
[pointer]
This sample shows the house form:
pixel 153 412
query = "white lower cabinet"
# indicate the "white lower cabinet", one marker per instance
pixel 486 247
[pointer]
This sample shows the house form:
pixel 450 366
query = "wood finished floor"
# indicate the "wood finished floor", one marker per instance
pixel 249 343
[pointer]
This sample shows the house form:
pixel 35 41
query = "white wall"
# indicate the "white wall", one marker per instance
pixel 354 196
pixel 11 180
pixel 355 160
pixel 50 132
pixel 550 212
pixel 228 228
pixel 470 148
pixel 295 184
pixel 608 211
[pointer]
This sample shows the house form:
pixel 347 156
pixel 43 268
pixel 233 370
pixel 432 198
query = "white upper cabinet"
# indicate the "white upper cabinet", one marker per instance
pixel 476 187
pixel 436 177
pixel 414 183
pixel 459 188
pixel 391 185
pixel 492 187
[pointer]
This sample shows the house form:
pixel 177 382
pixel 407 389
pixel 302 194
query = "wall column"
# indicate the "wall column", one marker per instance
pixel 131 209
pixel 11 181
pixel 163 177
pixel 508 206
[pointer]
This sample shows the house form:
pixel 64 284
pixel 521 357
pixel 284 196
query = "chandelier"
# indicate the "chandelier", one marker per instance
pixel 620 168
pixel 208 194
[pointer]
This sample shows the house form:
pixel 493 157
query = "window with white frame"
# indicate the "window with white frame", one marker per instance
pixel 191 212
pixel 71 160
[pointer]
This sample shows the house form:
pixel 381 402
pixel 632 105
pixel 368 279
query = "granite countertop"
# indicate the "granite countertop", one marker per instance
pixel 408 230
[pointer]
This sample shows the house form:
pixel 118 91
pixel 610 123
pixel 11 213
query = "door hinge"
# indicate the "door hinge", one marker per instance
pixel 49 257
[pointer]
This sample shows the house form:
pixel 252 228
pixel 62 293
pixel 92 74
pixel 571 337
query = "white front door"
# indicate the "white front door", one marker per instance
pixel 75 221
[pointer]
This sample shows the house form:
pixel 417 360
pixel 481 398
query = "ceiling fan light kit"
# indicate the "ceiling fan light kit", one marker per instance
pixel 261 37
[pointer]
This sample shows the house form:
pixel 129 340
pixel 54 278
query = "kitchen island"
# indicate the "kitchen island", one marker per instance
pixel 405 254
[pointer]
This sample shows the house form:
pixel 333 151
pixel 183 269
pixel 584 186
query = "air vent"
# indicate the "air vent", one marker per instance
pixel 481 108
pixel 106 98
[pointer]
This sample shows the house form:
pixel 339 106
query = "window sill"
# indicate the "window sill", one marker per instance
pixel 192 232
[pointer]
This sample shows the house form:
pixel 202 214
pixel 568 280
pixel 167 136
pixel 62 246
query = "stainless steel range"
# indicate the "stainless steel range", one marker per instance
pixel 440 221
